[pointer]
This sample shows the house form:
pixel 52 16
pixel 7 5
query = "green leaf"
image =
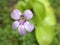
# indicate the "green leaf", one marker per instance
pixel 50 18
pixel 39 11
pixel 44 34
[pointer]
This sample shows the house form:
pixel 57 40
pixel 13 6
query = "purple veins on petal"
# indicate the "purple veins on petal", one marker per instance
pixel 28 14
pixel 21 30
pixel 15 25
pixel 15 14
pixel 28 26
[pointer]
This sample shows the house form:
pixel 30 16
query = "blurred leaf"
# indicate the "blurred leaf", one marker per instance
pixel 45 32
pixel 39 11
pixel 50 18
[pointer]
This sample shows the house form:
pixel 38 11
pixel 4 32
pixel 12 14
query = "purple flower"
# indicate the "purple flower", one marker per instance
pixel 22 21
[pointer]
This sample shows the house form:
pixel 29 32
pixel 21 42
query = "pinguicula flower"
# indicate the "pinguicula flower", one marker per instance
pixel 21 21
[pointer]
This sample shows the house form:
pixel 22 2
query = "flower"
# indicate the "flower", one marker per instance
pixel 22 21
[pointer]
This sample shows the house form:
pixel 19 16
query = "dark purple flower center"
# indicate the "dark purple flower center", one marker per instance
pixel 22 20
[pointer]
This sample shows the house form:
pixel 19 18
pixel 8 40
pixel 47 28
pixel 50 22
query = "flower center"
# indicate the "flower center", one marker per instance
pixel 22 19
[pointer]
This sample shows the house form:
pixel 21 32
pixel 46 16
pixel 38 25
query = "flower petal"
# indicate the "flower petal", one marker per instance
pixel 28 14
pixel 28 26
pixel 15 14
pixel 15 25
pixel 21 30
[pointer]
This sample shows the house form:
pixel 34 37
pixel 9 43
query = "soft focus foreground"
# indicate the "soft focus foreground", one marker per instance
pixel 11 37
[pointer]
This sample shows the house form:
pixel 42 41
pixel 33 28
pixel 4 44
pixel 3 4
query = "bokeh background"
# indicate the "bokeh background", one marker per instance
pixel 10 37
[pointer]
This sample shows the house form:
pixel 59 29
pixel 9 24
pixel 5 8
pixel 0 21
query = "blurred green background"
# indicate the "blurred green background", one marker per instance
pixel 10 37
